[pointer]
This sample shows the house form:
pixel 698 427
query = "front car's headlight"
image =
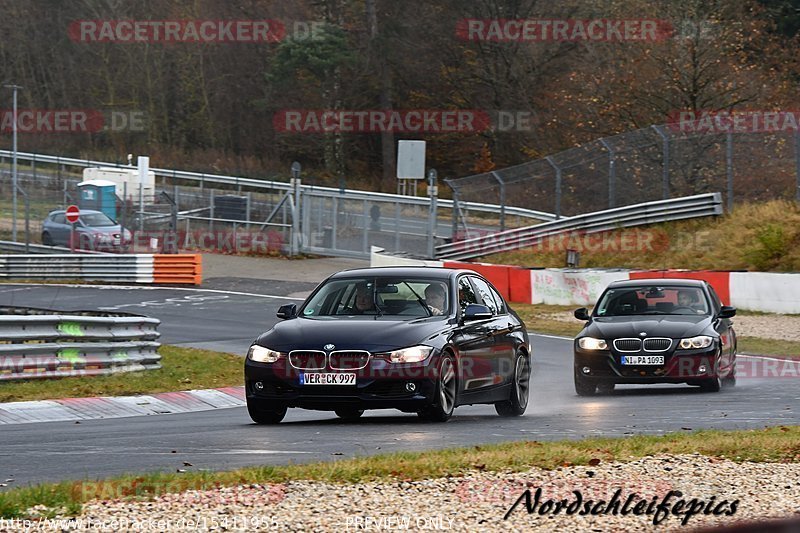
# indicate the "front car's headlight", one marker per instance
pixel 695 343
pixel 262 355
pixel 590 343
pixel 414 354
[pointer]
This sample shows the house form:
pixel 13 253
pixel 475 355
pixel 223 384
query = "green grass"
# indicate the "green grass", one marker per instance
pixel 182 368
pixel 767 445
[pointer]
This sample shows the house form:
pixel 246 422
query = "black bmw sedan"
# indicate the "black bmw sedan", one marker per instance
pixel 655 331
pixel 417 339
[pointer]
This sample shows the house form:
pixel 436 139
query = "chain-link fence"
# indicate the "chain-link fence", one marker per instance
pixel 649 164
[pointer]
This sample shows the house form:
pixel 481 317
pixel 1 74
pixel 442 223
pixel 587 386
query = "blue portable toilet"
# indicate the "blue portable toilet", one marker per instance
pixel 100 195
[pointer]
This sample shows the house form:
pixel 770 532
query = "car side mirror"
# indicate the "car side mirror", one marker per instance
pixel 477 312
pixel 287 311
pixel 582 313
pixel 727 311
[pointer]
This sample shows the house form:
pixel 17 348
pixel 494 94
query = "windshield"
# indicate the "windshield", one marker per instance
pixel 412 297
pixel 97 220
pixel 653 300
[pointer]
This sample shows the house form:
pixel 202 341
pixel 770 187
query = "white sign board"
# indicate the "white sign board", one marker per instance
pixel 411 160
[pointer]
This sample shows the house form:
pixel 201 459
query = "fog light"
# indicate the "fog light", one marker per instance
pixel 586 370
pixel 702 369
pixel 410 387
pixel 258 385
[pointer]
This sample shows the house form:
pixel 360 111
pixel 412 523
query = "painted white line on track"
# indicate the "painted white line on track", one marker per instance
pixel 133 287
pixel 549 336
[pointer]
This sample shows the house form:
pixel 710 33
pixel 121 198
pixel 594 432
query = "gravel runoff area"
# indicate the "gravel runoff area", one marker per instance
pixel 737 492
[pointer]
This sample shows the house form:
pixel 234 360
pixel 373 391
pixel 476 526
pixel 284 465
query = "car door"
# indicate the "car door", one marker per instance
pixel 723 326
pixel 475 344
pixel 502 328
pixel 60 230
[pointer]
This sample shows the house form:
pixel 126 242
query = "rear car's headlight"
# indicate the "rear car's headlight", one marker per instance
pixel 694 343
pixel 262 355
pixel 414 354
pixel 590 343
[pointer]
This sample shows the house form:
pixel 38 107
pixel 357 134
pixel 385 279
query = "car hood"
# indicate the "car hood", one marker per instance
pixel 374 335
pixel 672 326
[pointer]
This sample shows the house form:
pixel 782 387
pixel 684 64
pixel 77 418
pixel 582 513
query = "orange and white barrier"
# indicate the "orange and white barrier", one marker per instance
pixel 179 269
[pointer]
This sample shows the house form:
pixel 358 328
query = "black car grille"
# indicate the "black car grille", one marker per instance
pixel 348 359
pixel 657 344
pixel 307 359
pixel 627 345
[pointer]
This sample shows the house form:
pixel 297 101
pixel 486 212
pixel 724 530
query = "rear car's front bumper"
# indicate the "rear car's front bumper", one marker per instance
pixel 679 366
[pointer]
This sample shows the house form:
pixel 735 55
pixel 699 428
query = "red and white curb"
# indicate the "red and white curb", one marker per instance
pixel 76 409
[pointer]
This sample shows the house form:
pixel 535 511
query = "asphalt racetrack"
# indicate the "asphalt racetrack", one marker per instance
pixel 229 316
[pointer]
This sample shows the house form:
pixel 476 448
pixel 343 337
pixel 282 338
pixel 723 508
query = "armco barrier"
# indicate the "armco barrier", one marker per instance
pixel 38 344
pixel 113 268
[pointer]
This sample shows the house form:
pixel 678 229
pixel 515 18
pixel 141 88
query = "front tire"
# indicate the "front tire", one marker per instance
pixel 584 386
pixel 47 240
pixel 606 387
pixel 711 385
pixel 441 409
pixel 520 391
pixel 265 415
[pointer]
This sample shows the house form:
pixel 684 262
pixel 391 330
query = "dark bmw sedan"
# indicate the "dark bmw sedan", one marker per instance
pixel 419 339
pixel 655 331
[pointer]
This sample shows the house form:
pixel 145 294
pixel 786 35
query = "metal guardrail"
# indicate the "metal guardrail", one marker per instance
pixel 180 269
pixel 134 268
pixel 700 205
pixel 22 248
pixel 39 344
pixel 202 178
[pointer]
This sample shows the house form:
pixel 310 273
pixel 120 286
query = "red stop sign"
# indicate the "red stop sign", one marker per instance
pixel 73 214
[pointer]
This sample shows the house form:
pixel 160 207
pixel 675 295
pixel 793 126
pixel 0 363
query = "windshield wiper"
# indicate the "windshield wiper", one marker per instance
pixel 419 299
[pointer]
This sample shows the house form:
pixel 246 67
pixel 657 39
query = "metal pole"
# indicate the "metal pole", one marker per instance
pixel 558 185
pixel 14 127
pixel 797 162
pixel 433 193
pixel 455 216
pixel 729 168
pixel 665 160
pixel 295 205
pixel 612 175
pixel 496 176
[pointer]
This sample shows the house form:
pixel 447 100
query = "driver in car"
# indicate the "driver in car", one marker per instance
pixel 686 299
pixel 434 298
pixel 364 303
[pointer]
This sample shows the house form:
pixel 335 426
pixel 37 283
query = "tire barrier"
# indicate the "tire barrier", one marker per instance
pixel 179 269
pixel 42 344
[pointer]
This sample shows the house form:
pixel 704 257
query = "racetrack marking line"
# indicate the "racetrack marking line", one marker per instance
pixel 550 336
pixel 133 287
